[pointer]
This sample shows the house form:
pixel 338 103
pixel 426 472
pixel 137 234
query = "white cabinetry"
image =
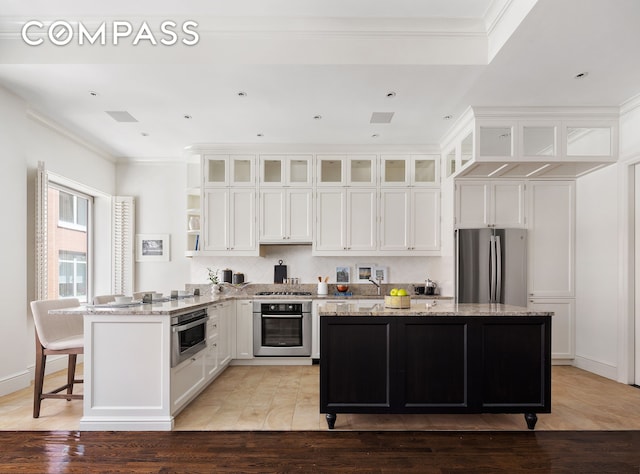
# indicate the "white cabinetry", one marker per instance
pixel 346 221
pixel 230 221
pixel 409 170
pixel 490 204
pixel 562 324
pixel 219 333
pixel 194 205
pixel 229 170
pixel 409 220
pixel 244 330
pixel 286 215
pixel 286 170
pixel 187 379
pixel 551 259
pixel 346 170
pixel 551 239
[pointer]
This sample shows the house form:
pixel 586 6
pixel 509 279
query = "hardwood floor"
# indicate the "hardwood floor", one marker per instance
pixel 285 398
pixel 315 451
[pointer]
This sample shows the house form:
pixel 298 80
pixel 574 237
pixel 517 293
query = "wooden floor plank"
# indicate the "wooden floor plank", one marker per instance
pixel 312 451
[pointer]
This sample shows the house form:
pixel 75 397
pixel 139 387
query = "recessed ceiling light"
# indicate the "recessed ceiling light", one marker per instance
pixel 391 94
pixel 375 135
pixel 260 135
pixel 187 116
pixel 447 117
pixel 242 94
pixel 581 75
pixel 93 93
pixel 317 117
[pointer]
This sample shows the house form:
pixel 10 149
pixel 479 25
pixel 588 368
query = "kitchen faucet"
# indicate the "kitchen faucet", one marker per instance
pixel 377 285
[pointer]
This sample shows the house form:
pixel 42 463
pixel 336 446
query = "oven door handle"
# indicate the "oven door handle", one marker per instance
pixel 190 325
pixel 282 316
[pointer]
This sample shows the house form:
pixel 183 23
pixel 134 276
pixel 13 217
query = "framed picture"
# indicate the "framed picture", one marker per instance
pixel 364 271
pixel 380 273
pixel 152 247
pixel 343 274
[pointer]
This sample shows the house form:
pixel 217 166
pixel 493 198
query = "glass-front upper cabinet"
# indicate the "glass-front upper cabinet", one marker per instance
pixel 589 140
pixel 450 162
pixel 286 170
pixel 413 170
pixel 361 170
pixel 229 170
pixel 496 141
pixel 466 150
pixel 539 139
pixel 331 170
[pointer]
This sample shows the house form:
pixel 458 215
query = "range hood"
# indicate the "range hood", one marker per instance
pixel 530 170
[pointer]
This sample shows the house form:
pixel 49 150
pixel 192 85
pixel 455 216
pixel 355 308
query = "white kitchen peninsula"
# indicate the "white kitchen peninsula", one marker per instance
pixel 128 378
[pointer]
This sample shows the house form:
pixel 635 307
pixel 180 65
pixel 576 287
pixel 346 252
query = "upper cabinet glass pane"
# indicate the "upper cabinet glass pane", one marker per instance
pixel 331 171
pixel 589 141
pixel 451 162
pixel 395 171
pixel 242 171
pixel 466 149
pixel 216 170
pixel 425 171
pixel 361 171
pixel 539 141
pixel 299 171
pixel 496 141
pixel 272 171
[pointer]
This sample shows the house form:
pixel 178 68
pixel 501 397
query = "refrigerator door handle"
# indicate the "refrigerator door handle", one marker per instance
pixel 498 270
pixel 492 270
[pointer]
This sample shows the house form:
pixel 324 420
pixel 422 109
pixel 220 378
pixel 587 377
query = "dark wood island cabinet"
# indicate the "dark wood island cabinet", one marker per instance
pixel 442 359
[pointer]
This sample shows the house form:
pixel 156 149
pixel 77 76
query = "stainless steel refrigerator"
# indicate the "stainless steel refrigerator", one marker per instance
pixel 491 266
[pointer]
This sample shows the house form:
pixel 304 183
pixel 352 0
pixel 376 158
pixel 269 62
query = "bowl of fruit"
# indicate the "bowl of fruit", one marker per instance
pixel 397 298
pixel 342 288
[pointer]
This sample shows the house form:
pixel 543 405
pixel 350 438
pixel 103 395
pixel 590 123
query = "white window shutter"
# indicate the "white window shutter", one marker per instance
pixel 123 252
pixel 41 238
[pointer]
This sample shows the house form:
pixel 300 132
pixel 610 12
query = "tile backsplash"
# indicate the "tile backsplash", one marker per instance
pixel 300 264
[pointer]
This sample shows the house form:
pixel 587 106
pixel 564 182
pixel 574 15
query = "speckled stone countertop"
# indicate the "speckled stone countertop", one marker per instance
pixel 428 308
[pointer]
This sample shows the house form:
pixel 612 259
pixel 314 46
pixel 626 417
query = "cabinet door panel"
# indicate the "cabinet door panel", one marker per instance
pixel 331 221
pixel 508 205
pixel 272 210
pixel 242 220
pixel 551 238
pixel 435 361
pixel 299 221
pixel 425 219
pixel 514 365
pixel 563 326
pixel 358 365
pixel 394 216
pixel 472 205
pixel 216 208
pixel 361 219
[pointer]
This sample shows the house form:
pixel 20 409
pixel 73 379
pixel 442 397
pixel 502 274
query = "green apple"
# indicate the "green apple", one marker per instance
pixel 393 292
pixel 402 292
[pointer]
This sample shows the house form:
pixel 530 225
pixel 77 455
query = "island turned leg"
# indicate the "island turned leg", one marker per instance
pixel 531 419
pixel 331 420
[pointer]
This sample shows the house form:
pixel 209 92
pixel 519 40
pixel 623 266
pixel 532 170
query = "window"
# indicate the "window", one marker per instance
pixel 72 275
pixel 73 211
pixel 68 237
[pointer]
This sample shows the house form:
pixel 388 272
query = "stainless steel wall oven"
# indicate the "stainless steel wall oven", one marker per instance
pixel 281 328
pixel 188 335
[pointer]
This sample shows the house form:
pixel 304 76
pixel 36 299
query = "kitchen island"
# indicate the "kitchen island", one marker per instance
pixel 130 382
pixel 434 357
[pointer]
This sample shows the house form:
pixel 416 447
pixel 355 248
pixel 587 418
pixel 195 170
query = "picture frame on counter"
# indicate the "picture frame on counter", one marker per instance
pixel 153 247
pixel 364 271
pixel 381 274
pixel 343 274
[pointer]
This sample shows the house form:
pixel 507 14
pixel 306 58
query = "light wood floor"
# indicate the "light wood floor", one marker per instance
pixel 286 398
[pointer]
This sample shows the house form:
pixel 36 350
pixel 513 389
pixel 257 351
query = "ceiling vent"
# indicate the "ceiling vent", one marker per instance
pixel 121 116
pixel 381 117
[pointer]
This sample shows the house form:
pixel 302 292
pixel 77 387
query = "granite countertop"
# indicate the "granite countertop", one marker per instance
pixel 429 308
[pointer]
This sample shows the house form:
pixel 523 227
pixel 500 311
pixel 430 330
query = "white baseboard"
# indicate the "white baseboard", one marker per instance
pixel 598 368
pixel 15 382
pixel 23 379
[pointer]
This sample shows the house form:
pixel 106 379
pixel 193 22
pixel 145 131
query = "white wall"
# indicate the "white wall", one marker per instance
pixel 597 271
pixel 25 140
pixel 159 190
